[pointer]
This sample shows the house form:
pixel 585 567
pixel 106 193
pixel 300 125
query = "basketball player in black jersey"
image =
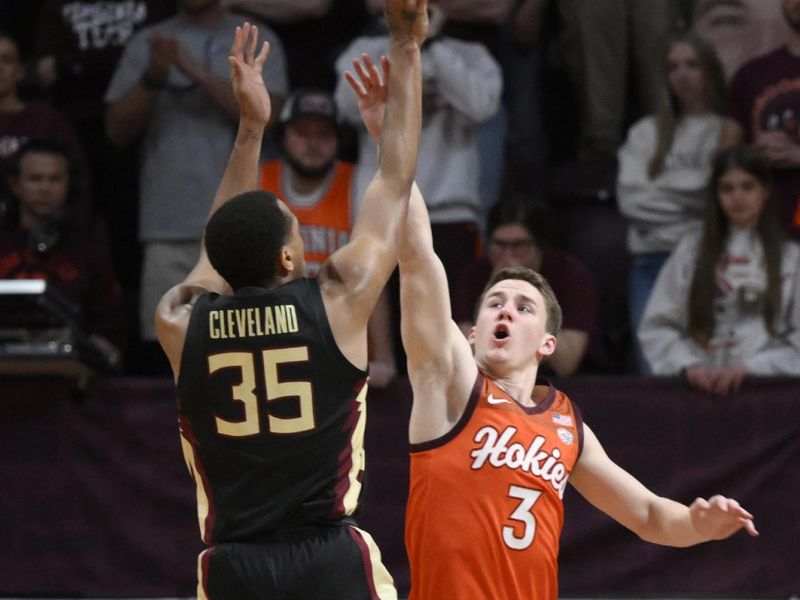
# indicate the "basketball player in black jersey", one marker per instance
pixel 270 367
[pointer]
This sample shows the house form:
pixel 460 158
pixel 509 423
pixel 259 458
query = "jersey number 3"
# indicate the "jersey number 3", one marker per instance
pixel 244 391
pixel 523 514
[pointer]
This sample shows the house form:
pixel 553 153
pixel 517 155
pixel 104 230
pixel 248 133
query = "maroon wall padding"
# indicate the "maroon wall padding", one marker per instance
pixel 96 499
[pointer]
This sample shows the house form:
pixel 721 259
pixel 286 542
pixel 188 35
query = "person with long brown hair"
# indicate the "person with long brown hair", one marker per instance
pixel 664 164
pixel 727 302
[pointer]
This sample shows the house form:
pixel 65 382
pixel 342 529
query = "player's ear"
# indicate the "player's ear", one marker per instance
pixel 548 345
pixel 286 263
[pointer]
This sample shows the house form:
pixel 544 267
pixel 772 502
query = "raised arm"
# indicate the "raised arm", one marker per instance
pixel 439 357
pixel 352 278
pixel 653 518
pixel 241 175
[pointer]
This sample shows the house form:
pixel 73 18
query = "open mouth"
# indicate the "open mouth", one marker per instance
pixel 501 332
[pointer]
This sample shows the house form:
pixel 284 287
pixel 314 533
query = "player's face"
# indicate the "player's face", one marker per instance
pixel 42 185
pixel 10 68
pixel 742 197
pixel 512 246
pixel 685 77
pixel 312 145
pixel 510 331
pixel 741 29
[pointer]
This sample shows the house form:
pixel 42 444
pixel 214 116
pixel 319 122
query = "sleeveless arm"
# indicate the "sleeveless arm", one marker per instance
pixel 440 363
pixel 653 518
pixel 353 277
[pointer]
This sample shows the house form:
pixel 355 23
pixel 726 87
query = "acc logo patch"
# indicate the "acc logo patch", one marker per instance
pixel 565 435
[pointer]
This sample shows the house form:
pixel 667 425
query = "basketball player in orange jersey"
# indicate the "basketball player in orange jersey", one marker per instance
pixel 491 451
pixel 272 378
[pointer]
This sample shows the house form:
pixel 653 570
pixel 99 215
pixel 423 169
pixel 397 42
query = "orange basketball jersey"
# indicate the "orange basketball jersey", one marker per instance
pixel 485 506
pixel 325 226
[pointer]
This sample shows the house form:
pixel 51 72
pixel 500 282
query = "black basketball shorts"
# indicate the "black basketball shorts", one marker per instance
pixel 337 562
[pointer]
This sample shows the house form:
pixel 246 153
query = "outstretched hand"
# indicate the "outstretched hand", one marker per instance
pixel 372 90
pixel 248 83
pixel 718 518
pixel 407 20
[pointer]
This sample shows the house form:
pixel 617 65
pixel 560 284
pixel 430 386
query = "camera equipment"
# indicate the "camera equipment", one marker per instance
pixel 40 335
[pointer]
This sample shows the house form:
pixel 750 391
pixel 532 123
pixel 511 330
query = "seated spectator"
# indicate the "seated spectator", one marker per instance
pixel 461 87
pixel 21 120
pixel 318 189
pixel 664 164
pixel 40 241
pixel 727 302
pixel 518 235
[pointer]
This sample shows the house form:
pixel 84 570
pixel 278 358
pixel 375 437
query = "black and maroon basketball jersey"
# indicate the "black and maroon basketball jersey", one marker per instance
pixel 271 413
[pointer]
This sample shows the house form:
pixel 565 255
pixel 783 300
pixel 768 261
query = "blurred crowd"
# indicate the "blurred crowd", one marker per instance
pixel 644 155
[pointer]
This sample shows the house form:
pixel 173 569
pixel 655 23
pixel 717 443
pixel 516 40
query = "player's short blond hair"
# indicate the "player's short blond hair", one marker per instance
pixel 553 308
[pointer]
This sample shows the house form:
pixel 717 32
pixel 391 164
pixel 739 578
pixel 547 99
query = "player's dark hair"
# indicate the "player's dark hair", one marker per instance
pixel 553 308
pixel 716 229
pixel 244 237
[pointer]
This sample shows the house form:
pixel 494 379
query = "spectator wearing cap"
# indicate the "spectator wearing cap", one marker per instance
pixel 309 177
pixel 318 188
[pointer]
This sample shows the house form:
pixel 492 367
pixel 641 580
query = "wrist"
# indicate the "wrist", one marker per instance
pixel 251 127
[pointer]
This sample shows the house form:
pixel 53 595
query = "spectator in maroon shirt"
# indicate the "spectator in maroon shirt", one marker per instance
pixel 518 235
pixel 38 240
pixel 20 120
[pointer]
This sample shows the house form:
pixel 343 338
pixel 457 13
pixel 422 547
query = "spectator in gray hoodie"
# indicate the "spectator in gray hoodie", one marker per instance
pixel 727 302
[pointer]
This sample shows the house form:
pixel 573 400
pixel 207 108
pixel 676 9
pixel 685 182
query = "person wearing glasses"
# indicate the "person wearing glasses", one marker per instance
pixel 519 235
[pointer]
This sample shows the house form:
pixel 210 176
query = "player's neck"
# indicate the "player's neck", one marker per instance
pixel 519 385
